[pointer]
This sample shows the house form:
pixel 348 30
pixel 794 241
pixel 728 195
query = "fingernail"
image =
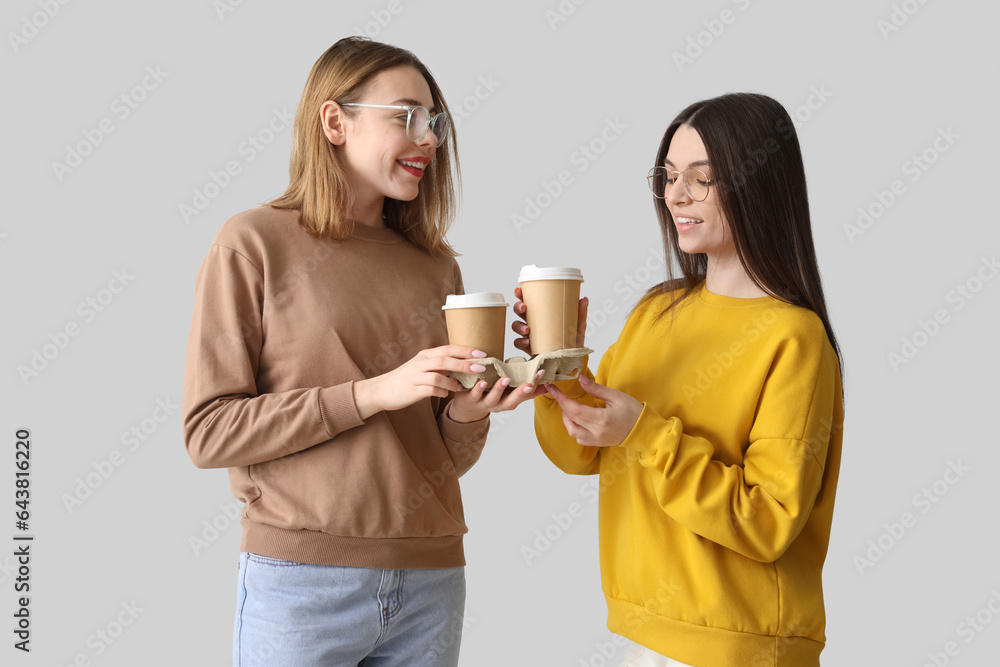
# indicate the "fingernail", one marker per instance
pixel 528 389
pixel 477 368
pixel 504 382
pixel 478 353
pixel 584 379
pixel 540 374
pixel 482 385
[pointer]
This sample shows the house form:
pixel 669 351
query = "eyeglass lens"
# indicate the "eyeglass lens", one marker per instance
pixel 418 123
pixel 695 182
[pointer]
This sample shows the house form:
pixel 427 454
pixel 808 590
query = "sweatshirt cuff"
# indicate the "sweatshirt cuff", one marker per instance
pixel 650 434
pixel 463 432
pixel 338 409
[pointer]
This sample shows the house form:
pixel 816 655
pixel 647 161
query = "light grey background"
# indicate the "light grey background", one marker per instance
pixel 878 98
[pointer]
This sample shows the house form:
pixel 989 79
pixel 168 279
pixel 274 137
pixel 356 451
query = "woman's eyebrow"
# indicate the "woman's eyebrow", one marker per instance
pixel 696 163
pixel 413 103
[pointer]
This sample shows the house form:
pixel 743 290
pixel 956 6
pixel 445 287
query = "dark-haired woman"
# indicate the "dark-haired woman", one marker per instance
pixel 317 373
pixel 715 420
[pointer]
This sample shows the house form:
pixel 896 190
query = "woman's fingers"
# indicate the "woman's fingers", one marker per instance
pixel 451 358
pixel 579 414
pixel 575 430
pixel 539 390
pixel 438 381
pixel 454 351
pixel 520 327
pixel 524 341
pixel 496 392
pixel 477 391
pixel 519 308
pixel 529 391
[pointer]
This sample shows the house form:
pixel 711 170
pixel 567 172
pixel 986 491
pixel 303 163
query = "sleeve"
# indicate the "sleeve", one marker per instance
pixel 558 445
pixel 225 422
pixel 758 508
pixel 465 440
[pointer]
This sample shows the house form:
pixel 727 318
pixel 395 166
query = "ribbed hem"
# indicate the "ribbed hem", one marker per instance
pixel 386 553
pixel 338 409
pixel 705 646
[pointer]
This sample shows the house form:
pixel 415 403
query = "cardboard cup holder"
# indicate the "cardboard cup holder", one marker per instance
pixel 558 365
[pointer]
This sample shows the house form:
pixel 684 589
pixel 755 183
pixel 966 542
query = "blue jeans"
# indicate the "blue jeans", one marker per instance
pixel 298 615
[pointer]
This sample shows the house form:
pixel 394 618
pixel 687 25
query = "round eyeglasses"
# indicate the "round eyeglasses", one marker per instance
pixel 696 182
pixel 418 120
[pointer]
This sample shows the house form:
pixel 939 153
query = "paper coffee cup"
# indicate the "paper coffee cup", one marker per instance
pixel 478 320
pixel 552 298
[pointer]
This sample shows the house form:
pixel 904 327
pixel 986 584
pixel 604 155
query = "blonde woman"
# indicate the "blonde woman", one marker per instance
pixel 317 373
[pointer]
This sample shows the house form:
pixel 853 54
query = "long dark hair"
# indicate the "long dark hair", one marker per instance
pixel 761 187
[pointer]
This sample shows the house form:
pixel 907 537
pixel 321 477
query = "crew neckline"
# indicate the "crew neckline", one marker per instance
pixel 375 235
pixel 733 301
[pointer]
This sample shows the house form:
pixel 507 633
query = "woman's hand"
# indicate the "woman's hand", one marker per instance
pixel 473 405
pixel 598 427
pixel 425 375
pixel 520 326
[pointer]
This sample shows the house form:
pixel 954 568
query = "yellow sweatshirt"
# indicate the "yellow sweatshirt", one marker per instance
pixel 715 511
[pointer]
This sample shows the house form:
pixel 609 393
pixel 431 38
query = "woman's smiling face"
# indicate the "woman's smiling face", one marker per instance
pixel 701 226
pixel 380 160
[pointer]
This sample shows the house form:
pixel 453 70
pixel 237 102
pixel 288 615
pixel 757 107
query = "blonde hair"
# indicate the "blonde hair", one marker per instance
pixel 317 185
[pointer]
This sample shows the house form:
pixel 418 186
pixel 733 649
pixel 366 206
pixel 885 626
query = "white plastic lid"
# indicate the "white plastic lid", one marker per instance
pixel 475 300
pixel 532 272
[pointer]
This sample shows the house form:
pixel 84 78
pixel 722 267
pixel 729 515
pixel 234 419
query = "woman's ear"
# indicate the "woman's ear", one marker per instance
pixel 332 118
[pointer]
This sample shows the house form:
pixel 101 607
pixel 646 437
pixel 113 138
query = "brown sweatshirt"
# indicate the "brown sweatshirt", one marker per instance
pixel 284 324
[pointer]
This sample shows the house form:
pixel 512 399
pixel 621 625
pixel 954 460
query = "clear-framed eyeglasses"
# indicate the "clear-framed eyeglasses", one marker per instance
pixel 696 182
pixel 418 120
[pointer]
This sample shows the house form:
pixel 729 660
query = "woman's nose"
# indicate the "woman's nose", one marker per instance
pixel 676 192
pixel 429 140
